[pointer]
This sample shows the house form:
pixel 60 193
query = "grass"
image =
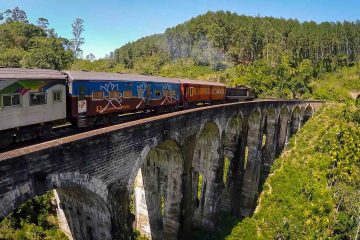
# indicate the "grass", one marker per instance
pixel 297 201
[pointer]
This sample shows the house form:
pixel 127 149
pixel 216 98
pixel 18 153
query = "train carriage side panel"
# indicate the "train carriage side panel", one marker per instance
pixel 205 92
pixel 164 94
pixel 36 100
pixel 217 93
pixel 97 97
pixel 191 93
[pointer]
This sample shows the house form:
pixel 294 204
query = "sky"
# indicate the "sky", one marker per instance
pixel 110 24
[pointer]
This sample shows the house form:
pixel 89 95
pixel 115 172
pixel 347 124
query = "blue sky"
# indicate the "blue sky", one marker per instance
pixel 112 23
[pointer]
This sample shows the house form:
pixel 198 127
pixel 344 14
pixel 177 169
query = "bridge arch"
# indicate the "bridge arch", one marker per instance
pixel 81 201
pixel 234 143
pixel 158 192
pixel 283 129
pixel 307 114
pixel 253 163
pixel 295 121
pixel 269 142
pixel 207 170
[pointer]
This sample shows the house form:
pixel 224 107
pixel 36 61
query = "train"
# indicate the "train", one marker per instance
pixel 33 101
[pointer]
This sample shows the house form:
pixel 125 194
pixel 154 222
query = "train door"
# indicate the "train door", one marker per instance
pixel 82 104
pixel 82 108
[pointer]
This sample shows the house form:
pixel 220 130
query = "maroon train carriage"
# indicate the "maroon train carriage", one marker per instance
pixel 198 91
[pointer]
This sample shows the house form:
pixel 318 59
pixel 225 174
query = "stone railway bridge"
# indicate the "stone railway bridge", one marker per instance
pixel 163 175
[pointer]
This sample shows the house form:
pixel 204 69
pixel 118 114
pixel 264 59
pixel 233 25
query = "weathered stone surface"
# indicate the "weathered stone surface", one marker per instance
pixel 94 172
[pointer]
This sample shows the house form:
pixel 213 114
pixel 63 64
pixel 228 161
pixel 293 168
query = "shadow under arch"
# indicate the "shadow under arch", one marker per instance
pixel 269 141
pixel 283 130
pixel 295 120
pixel 206 178
pixel 234 144
pixel 82 214
pixel 158 192
pixel 308 113
pixel 251 177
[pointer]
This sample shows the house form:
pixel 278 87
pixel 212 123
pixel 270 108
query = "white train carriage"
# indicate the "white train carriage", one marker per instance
pixel 30 100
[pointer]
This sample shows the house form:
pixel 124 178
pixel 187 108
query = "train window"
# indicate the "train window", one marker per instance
pixel 127 94
pixel 173 93
pixel 97 95
pixel 191 91
pixel 166 92
pixel 57 96
pixel 114 94
pixel 157 93
pixel 38 98
pixel 11 100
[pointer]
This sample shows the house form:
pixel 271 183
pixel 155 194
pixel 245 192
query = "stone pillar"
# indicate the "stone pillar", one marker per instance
pixel 82 214
pixel 239 175
pixel 282 129
pixel 142 222
pixel 232 142
pixel 252 172
pixel 162 180
pixel 208 160
pixel 268 154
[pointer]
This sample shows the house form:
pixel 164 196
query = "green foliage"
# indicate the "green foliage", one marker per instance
pixel 47 53
pixel 35 219
pixel 26 45
pixel 185 68
pixel 338 86
pixel 313 191
pixel 221 37
pixel 101 65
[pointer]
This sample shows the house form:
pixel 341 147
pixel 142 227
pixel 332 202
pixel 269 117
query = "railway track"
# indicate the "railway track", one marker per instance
pixel 67 129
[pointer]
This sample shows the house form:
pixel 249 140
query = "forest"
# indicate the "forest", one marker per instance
pixel 277 57
pixel 313 189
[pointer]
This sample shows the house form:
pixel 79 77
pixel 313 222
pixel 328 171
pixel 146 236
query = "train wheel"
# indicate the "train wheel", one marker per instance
pixel 6 139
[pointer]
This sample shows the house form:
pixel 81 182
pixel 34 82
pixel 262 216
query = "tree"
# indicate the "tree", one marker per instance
pixel 78 40
pixel 47 53
pixel 19 15
pixel 7 14
pixel 1 16
pixel 90 57
pixel 43 23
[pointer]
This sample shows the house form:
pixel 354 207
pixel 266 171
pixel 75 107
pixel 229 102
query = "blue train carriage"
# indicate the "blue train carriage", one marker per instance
pixel 96 98
pixel 31 100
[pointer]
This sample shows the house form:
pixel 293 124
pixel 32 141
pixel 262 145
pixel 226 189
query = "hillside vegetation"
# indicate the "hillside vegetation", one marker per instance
pixel 276 57
pixel 34 220
pixel 313 191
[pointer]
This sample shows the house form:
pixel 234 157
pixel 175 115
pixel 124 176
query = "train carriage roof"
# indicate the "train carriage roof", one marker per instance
pixel 201 82
pixel 30 74
pixel 105 76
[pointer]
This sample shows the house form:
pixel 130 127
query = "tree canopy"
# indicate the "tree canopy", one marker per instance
pixel 23 44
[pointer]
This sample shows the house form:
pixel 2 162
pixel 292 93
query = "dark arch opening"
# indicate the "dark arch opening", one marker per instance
pixel 308 113
pixel 295 120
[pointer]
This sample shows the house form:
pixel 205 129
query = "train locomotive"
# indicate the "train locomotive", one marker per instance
pixel 33 101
